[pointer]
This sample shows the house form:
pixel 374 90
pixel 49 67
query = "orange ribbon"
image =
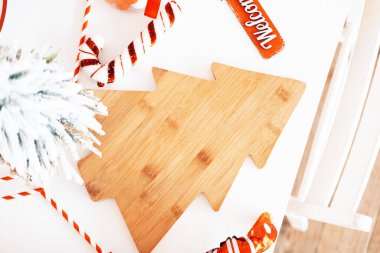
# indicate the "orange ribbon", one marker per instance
pixel 152 8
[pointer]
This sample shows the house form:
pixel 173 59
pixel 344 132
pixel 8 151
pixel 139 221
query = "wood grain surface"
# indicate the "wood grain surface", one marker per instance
pixel 163 148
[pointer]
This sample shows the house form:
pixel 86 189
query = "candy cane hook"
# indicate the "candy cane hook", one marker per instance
pixel 108 73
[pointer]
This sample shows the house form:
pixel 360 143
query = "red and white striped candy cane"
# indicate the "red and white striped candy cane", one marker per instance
pixel 82 37
pixel 59 210
pixel 108 73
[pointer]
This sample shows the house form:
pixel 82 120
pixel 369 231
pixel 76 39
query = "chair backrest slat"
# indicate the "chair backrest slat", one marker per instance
pixel 332 98
pixel 363 153
pixel 346 123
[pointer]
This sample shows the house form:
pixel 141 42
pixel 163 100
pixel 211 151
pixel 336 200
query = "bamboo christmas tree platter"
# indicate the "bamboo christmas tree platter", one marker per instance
pixel 163 148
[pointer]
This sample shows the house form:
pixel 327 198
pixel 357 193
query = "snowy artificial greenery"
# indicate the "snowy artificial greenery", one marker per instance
pixel 44 116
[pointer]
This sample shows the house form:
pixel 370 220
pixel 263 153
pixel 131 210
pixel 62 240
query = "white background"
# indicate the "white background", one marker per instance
pixel 207 32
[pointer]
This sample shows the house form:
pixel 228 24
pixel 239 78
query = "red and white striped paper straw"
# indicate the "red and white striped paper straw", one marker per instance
pixel 83 36
pixel 73 223
pixel 59 210
pixel 22 194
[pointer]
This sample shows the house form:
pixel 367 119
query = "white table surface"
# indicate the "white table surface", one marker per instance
pixel 207 32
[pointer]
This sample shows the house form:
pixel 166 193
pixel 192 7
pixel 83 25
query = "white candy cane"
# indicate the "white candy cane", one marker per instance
pixel 114 70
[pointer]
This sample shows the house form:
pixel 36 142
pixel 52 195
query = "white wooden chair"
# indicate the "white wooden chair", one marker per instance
pixel 347 136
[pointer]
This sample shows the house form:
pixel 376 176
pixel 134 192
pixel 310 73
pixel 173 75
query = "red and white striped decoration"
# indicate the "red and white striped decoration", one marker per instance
pixel 73 223
pixel 83 36
pixel 114 70
pixel 22 194
pixel 59 210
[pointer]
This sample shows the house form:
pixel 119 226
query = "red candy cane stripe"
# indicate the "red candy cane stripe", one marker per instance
pixel 82 37
pixel 59 210
pixel 108 73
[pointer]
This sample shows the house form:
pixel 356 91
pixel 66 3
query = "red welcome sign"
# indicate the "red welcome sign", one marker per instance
pixel 258 26
pixel 3 12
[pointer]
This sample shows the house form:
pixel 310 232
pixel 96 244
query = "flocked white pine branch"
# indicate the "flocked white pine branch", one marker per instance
pixel 44 116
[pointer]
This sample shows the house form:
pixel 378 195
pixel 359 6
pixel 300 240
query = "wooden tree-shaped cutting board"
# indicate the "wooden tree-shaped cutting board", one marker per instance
pixel 163 148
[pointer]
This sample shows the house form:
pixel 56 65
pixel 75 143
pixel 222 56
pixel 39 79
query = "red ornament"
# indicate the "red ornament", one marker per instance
pixel 122 4
pixel 152 8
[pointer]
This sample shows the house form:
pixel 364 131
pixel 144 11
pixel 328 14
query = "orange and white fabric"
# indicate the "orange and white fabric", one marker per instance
pixel 260 238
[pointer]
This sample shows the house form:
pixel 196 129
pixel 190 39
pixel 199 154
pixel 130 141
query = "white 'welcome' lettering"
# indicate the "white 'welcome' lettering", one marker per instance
pixel 265 31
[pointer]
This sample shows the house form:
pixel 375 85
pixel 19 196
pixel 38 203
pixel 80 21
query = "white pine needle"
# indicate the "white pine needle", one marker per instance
pixel 44 116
